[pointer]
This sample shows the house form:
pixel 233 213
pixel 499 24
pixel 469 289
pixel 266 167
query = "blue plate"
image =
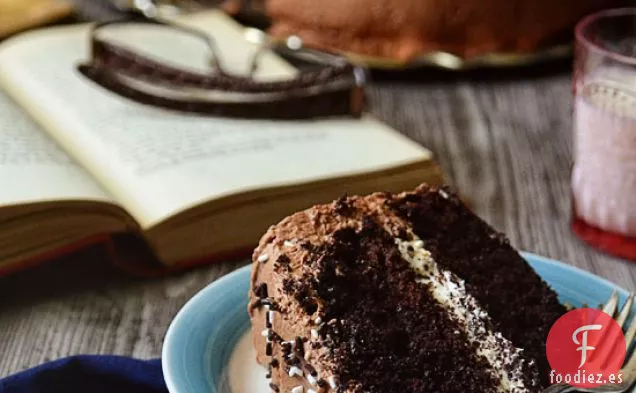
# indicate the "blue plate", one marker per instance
pixel 199 348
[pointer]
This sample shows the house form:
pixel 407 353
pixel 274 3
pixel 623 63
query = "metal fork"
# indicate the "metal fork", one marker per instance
pixel 629 367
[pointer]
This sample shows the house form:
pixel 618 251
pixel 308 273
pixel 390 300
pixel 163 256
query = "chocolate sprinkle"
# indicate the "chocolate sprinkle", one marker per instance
pixel 343 206
pixel 300 349
pixel 311 370
pixel 283 259
pixel 268 322
pixel 282 263
pixel 261 291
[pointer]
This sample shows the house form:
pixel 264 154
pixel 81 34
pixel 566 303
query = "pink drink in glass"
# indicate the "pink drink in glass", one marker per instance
pixel 604 171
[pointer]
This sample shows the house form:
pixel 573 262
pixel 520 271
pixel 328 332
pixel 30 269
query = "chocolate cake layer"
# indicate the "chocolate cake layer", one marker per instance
pixel 361 295
pixel 521 305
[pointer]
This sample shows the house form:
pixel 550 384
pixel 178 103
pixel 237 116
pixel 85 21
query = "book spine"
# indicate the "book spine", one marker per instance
pixel 55 254
pixel 127 253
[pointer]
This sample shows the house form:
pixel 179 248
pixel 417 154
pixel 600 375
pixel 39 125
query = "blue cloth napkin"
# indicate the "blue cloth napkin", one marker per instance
pixel 89 374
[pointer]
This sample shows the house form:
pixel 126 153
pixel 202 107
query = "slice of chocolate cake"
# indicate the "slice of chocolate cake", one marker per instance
pixel 397 293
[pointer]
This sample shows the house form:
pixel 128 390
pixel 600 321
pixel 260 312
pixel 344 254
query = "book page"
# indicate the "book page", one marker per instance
pixel 33 168
pixel 158 162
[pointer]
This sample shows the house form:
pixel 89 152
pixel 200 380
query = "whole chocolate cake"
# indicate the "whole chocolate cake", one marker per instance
pixel 402 29
pixel 397 293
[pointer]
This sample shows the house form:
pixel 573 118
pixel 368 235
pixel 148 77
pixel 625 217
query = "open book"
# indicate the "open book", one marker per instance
pixel 77 161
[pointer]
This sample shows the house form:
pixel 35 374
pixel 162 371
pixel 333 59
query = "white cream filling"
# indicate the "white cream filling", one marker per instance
pixel 450 291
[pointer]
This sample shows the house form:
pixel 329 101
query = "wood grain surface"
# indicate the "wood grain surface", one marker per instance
pixel 503 139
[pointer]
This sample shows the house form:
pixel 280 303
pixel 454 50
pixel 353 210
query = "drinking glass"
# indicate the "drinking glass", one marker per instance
pixel 604 170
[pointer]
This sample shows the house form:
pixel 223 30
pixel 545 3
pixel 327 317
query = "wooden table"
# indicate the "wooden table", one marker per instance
pixel 502 138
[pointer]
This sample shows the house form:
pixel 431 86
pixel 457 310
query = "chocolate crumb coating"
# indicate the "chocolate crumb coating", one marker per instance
pixel 336 307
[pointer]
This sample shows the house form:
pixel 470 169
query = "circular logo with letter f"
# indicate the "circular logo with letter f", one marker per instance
pixel 585 348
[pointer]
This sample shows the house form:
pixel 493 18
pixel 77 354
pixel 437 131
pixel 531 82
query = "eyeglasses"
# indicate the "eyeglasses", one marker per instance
pixel 335 88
